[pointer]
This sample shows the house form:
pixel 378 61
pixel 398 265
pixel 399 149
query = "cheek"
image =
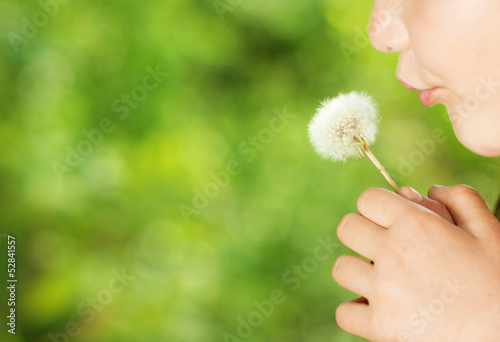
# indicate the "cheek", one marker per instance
pixel 456 47
pixel 455 42
pixel 440 59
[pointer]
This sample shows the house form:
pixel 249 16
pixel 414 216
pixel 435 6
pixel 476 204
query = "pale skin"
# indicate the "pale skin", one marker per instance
pixel 435 274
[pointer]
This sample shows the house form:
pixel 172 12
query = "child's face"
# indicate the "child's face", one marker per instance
pixel 454 46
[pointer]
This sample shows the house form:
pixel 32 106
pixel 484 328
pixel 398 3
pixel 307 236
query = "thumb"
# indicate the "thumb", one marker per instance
pixel 433 205
pixel 467 208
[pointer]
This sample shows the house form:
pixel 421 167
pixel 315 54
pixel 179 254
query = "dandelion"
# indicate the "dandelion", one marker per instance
pixel 345 127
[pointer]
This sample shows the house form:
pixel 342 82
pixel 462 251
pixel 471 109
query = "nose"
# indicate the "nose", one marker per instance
pixel 387 31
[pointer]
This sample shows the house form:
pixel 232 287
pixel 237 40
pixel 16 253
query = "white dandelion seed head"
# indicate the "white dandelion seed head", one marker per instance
pixel 341 123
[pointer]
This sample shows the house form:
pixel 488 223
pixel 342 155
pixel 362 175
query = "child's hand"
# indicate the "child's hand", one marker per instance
pixel 436 271
pixel 429 203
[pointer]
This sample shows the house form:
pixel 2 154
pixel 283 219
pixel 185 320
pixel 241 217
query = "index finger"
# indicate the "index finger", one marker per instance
pixel 383 207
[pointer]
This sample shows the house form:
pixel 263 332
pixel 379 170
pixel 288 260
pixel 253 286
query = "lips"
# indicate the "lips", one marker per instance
pixel 426 96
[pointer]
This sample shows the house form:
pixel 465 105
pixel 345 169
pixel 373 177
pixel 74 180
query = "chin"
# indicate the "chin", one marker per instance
pixel 476 134
pixel 486 145
pixel 484 152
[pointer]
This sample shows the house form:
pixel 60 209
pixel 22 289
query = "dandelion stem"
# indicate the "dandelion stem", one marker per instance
pixel 379 167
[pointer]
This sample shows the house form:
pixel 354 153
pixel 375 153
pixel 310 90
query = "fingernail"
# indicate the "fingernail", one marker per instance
pixel 416 196
pixel 437 186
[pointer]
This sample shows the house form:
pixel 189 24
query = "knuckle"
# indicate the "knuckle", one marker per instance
pixel 463 194
pixel 343 226
pixel 340 314
pixel 365 197
pixel 463 190
pixel 338 267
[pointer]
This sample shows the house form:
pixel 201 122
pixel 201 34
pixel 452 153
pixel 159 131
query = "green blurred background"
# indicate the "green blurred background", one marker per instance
pixel 232 66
